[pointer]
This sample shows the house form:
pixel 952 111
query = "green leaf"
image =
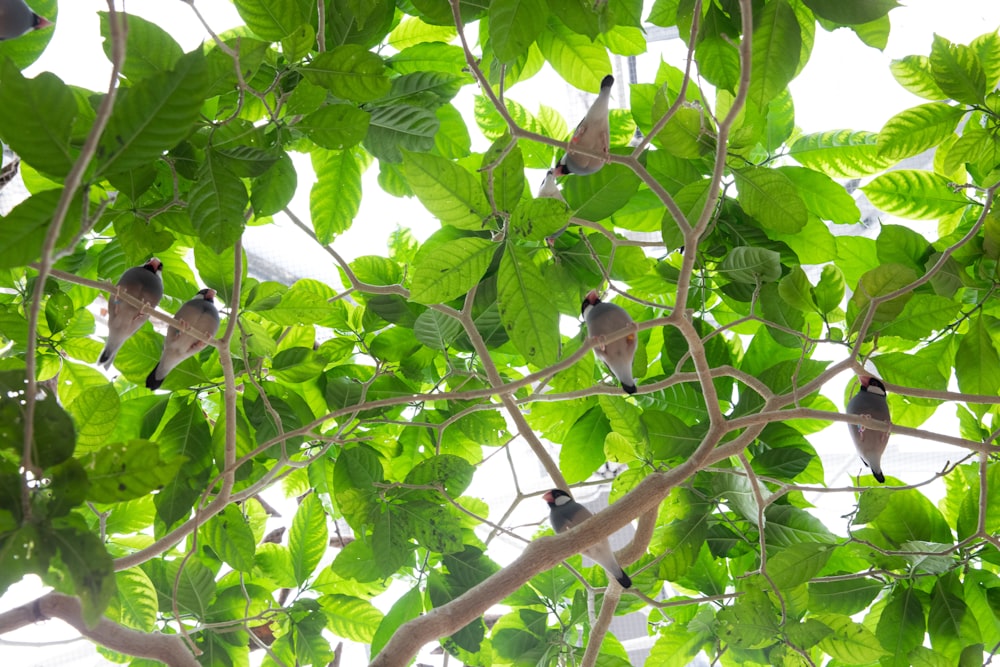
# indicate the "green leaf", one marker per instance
pixel 350 617
pixel 582 452
pixel 597 196
pixel 914 74
pixel 538 219
pixel 514 25
pixel 273 190
pixel 777 42
pixel 525 308
pixel 271 20
pixel 336 196
pixel 829 292
pixel 915 130
pixel 406 608
pixel 822 196
pixel 880 281
pixel 914 194
pixel 851 12
pixel 950 623
pixel 155 115
pixel 436 330
pixel 85 568
pixel 901 626
pixel 796 290
pixel 771 198
pixel 124 471
pixel 450 270
pixel 149 49
pixel 229 535
pixel 351 72
pixel 218 201
pixel 307 541
pixel 843 597
pixel 977 363
pixel 575 57
pixel 335 126
pixel 136 599
pixel 851 643
pixel 354 474
pixel 36 119
pixel 797 563
pixel 95 413
pixel 751 266
pixel 447 190
pixel 452 473
pixel 957 71
pixel 504 181
pixel 922 315
pixel 840 153
pixel 24 228
pixel 433 526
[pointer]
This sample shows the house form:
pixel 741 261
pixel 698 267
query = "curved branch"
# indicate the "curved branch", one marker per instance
pixel 168 649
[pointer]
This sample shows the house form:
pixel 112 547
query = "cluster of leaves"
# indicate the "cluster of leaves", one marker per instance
pixel 377 399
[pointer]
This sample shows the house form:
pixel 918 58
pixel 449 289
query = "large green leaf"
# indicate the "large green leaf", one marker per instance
pixel 914 194
pixel 336 195
pixel 525 307
pixel 450 270
pixel 514 25
pixel 957 71
pixel 447 190
pixel 977 363
pixel 840 153
pixel 307 541
pixel 149 49
pixel 576 58
pixel 271 20
pixel 777 41
pixel 915 130
pixel 153 116
pixel 851 11
pixel 351 72
pixel 36 119
pixel 771 198
pixel 914 74
pixel 218 203
pixel 335 126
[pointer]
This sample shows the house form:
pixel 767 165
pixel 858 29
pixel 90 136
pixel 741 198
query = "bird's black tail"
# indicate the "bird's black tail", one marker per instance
pixel 624 580
pixel 151 381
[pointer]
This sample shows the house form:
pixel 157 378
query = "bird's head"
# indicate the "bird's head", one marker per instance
pixel 592 299
pixel 207 294
pixel 556 497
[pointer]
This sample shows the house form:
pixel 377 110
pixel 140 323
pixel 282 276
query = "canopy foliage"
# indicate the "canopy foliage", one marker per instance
pixel 375 400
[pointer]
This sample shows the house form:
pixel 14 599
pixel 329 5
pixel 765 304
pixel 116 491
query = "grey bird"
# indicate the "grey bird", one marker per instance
pixel 566 513
pixel 593 133
pixel 124 319
pixel 17 18
pixel 549 188
pixel 870 401
pixel 199 314
pixel 605 319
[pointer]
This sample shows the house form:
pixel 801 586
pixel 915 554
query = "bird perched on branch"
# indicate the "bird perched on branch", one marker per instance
pixel 604 319
pixel 17 18
pixel 593 133
pixel 566 513
pixel 124 319
pixel 198 314
pixel 870 401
